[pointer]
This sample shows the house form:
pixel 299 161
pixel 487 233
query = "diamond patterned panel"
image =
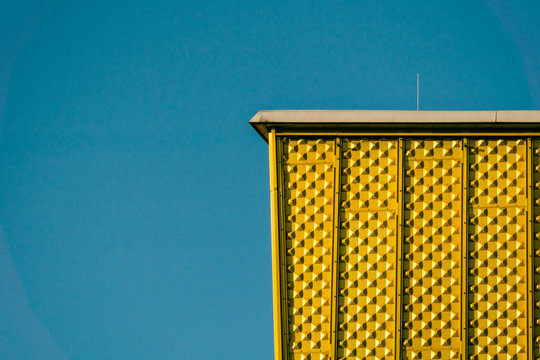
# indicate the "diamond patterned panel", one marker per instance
pixel 368 249
pixel 498 249
pixel 309 178
pixel 432 249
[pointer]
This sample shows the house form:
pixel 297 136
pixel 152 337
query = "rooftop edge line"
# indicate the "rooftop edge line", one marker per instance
pixel 393 120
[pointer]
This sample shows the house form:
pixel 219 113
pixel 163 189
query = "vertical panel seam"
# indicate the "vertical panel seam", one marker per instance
pixel 335 251
pixel 283 249
pixel 530 239
pixel 464 247
pixel 399 251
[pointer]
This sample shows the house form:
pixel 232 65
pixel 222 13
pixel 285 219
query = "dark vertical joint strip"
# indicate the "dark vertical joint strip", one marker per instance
pixel 334 341
pixel 534 169
pixel 282 247
pixel 530 251
pixel 535 247
pixel 399 250
pixel 464 248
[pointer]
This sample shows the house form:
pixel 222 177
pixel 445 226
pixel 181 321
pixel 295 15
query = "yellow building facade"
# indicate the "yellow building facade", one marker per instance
pixel 404 234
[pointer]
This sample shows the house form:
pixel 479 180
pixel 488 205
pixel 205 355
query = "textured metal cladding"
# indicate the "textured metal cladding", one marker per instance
pixel 309 177
pixel 368 249
pixel 498 266
pixel 463 211
pixel 432 245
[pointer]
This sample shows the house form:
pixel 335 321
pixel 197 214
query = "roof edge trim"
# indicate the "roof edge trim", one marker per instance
pixel 358 119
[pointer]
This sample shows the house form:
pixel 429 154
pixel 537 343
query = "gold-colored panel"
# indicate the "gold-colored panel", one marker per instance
pixel 367 264
pixel 497 264
pixel 432 249
pixel 386 231
pixel 308 182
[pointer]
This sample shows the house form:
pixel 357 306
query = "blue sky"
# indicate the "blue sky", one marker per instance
pixel 134 199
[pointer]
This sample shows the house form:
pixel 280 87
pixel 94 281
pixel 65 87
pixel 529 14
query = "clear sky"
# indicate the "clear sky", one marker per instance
pixel 134 198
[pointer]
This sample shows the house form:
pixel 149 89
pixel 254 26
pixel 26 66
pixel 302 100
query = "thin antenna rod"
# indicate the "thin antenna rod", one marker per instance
pixel 417 92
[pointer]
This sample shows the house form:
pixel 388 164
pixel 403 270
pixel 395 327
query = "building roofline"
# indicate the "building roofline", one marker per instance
pixel 264 120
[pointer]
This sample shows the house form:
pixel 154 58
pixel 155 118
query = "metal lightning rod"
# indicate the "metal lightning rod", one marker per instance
pixel 417 92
